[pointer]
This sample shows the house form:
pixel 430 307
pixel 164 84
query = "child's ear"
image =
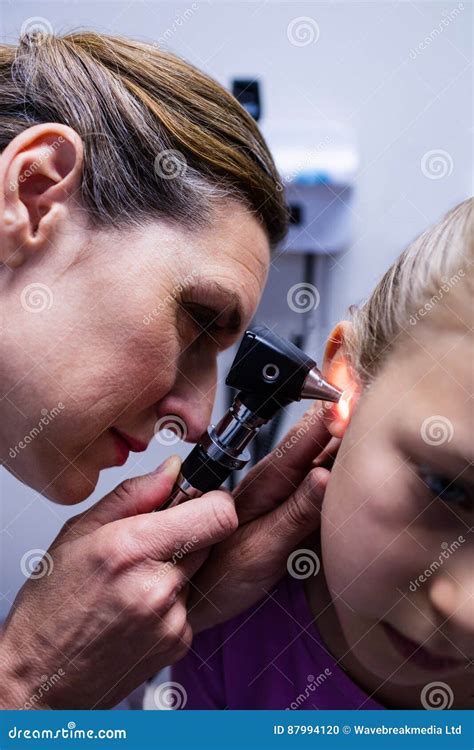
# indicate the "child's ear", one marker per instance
pixel 336 370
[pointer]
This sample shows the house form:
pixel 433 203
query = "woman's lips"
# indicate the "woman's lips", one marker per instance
pixel 135 445
pixel 126 443
pixel 417 654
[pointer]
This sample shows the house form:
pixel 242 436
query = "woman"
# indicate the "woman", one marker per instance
pixel 139 208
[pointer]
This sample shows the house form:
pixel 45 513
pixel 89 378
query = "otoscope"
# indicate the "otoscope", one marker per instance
pixel 269 373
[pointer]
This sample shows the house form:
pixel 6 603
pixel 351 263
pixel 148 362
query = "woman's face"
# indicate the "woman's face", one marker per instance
pixel 397 519
pixel 112 331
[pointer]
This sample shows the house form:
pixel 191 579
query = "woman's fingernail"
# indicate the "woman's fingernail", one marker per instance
pixel 170 466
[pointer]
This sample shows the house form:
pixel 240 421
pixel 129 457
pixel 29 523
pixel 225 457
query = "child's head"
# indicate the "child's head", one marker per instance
pixel 396 541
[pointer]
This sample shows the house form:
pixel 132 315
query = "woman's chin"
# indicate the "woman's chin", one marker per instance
pixel 72 487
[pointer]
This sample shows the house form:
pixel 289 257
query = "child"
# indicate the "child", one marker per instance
pixel 379 613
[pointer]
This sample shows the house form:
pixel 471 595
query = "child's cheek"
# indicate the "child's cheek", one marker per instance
pixel 368 554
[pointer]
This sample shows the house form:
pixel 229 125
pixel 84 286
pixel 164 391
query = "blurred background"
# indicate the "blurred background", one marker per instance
pixel 368 108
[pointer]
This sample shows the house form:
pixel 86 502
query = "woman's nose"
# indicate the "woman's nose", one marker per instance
pixel 452 595
pixel 190 399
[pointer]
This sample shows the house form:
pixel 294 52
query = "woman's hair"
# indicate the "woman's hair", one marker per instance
pixel 435 263
pixel 161 138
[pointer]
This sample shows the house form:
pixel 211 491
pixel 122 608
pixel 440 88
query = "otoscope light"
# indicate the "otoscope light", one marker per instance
pixel 345 402
pixel 343 406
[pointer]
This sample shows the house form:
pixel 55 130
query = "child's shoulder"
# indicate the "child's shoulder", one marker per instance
pixel 269 657
pixel 227 662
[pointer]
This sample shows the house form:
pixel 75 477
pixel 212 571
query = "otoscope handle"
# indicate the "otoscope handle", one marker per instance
pixel 200 473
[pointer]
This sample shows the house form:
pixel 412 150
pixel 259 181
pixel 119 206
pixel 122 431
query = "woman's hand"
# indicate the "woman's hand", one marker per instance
pixel 278 505
pixel 110 610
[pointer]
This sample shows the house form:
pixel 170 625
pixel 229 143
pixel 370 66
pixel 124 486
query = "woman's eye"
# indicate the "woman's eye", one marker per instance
pixel 446 489
pixel 204 319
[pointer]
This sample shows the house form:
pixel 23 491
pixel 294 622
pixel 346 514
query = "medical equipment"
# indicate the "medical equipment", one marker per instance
pixel 269 373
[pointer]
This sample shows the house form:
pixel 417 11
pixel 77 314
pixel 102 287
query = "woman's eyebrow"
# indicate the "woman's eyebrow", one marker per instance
pixel 234 308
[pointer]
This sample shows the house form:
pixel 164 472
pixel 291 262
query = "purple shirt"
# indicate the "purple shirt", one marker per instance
pixel 269 657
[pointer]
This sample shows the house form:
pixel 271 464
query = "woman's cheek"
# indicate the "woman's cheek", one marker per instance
pixel 140 373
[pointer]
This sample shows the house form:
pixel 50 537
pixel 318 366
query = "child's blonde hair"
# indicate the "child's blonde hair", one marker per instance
pixel 425 272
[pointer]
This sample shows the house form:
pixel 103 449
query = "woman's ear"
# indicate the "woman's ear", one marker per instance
pixel 336 370
pixel 40 170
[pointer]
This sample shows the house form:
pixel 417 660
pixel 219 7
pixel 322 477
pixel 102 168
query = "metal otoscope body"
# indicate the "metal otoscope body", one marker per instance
pixel 269 372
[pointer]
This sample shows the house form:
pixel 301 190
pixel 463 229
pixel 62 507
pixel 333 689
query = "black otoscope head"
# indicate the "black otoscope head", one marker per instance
pixel 269 372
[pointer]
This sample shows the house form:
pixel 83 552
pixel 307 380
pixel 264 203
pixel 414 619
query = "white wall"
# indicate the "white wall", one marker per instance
pixel 366 69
